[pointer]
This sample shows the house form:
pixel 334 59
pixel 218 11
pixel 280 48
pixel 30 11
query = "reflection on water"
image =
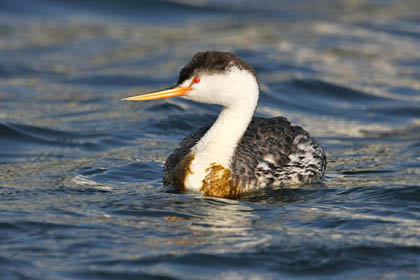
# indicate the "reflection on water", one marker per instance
pixel 80 171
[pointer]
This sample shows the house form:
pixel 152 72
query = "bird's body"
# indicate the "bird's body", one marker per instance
pixel 238 153
pixel 272 152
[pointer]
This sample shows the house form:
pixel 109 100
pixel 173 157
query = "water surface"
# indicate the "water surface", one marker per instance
pixel 80 171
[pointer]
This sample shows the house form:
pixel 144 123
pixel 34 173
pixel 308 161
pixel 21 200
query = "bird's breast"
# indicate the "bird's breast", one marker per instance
pixel 211 179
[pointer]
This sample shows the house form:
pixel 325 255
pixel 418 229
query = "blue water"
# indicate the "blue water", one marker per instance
pixel 81 193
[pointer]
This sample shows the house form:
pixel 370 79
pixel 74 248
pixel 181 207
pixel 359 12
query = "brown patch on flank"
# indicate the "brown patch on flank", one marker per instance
pixel 181 171
pixel 219 183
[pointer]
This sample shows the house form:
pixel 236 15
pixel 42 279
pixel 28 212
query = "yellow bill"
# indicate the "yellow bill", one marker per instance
pixel 166 93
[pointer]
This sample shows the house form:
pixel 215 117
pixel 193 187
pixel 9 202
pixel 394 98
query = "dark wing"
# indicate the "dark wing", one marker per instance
pixel 179 153
pixel 263 155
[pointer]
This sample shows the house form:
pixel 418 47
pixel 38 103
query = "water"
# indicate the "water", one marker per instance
pixel 80 170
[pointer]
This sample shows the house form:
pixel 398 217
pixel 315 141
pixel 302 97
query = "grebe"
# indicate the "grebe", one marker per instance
pixel 239 153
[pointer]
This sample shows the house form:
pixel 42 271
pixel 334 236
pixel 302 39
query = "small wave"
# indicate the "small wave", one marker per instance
pixel 85 183
pixel 287 261
pixel 14 134
pixel 114 80
pixel 411 131
pixel 321 89
pixel 117 172
pixel 319 97
pixel 401 195
pixel 180 124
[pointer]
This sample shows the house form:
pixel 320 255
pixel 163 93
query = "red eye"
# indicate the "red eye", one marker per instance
pixel 196 80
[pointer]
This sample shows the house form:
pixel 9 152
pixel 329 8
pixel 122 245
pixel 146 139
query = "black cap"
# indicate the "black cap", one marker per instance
pixel 213 62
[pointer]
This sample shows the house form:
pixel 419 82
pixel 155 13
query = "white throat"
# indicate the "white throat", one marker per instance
pixel 218 145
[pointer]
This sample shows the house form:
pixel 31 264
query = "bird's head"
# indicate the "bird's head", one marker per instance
pixel 212 77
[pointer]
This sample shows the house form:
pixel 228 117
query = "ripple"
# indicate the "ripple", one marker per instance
pixel 121 172
pixel 40 144
pixel 39 135
pixel 327 91
pixel 114 80
pixel 319 98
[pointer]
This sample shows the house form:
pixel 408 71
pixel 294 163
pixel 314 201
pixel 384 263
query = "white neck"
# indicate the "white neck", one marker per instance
pixel 223 136
pixel 219 143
